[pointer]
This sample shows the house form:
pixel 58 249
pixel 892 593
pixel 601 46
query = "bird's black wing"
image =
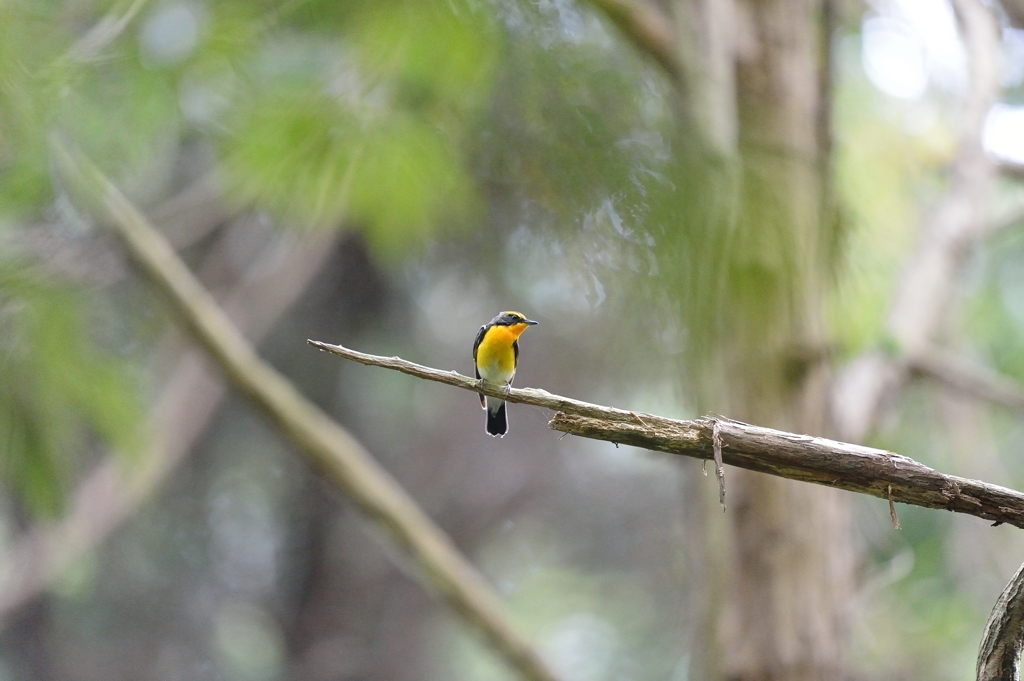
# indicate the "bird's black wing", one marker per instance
pixel 515 361
pixel 479 339
pixel 476 344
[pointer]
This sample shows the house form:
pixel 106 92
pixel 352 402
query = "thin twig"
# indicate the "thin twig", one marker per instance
pixel 538 398
pixel 788 455
pixel 327 445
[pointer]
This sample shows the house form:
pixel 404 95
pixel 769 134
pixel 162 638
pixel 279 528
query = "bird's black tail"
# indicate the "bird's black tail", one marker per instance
pixel 497 420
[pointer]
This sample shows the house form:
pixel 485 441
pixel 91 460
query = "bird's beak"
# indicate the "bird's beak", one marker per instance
pixel 530 322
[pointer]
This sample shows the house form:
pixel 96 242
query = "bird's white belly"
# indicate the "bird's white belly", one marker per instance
pixel 493 372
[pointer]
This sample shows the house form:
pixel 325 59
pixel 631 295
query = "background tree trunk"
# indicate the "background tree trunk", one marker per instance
pixel 790 569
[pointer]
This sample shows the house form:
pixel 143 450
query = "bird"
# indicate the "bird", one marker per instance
pixel 496 355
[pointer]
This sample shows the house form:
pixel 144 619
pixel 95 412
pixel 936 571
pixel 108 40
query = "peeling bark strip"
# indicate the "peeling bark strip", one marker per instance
pixel 788 455
pixel 1001 646
pixel 892 509
pixel 716 444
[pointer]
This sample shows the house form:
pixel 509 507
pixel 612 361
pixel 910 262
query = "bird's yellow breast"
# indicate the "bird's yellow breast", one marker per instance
pixel 495 358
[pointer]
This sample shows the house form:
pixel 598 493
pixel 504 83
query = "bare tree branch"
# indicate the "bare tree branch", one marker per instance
pixel 788 455
pixel 327 445
pixel 538 398
pixel 1003 641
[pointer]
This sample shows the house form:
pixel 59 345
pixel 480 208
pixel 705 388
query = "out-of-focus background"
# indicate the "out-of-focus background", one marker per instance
pixel 389 176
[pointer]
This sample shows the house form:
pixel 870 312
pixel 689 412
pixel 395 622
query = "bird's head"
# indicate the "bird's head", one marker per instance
pixel 515 321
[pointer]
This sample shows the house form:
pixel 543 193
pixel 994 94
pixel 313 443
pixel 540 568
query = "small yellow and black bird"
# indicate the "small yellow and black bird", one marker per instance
pixel 496 355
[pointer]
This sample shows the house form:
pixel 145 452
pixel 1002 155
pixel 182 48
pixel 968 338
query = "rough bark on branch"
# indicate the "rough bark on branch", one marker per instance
pixel 788 455
pixel 809 459
pixel 1003 641
pixel 327 446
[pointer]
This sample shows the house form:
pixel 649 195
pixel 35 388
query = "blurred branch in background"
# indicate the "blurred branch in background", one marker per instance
pixel 698 52
pixel 647 27
pixel 104 32
pixel 1014 170
pixel 1014 12
pixel 189 215
pixel 708 46
pixel 787 455
pixel 957 223
pixel 115 490
pixel 975 380
pixel 330 448
pixel 1011 219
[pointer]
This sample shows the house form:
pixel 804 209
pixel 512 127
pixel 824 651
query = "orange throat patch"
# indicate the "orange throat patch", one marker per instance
pixel 495 358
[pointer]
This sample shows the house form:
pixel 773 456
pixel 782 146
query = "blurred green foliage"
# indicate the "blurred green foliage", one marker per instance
pixel 27 40
pixel 882 173
pixel 319 164
pixel 996 313
pixel 366 126
pixel 363 125
pixel 549 148
pixel 55 380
